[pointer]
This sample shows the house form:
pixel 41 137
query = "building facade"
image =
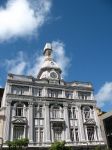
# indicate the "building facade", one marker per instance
pixel 106 128
pixel 47 108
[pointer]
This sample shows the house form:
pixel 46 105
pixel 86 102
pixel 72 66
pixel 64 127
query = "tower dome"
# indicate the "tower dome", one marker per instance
pixel 49 69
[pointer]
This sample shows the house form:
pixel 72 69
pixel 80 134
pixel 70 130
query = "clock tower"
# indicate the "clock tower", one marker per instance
pixel 49 69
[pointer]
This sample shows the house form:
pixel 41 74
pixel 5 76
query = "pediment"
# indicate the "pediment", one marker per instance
pixel 90 121
pixel 19 121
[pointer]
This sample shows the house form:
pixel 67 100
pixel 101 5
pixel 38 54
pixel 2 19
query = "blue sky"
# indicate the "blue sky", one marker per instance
pixel 80 29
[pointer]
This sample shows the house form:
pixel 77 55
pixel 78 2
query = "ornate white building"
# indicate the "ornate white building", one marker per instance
pixel 47 108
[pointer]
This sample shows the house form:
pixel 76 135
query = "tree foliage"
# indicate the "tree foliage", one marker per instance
pixel 17 144
pixel 59 146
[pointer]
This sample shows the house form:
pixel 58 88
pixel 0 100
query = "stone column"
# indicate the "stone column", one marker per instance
pixel 12 128
pixel 63 93
pixel 97 120
pixel 44 92
pixel 67 124
pixel 30 91
pixel 7 122
pixel 47 124
pixel 31 123
pixel 80 124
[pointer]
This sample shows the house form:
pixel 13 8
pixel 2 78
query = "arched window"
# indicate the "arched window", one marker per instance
pixel 38 111
pixel 87 112
pixel 56 112
pixel 19 110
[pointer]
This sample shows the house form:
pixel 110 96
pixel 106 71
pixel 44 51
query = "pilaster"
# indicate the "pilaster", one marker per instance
pixel 31 122
pixel 47 123
pixel 7 122
pixel 67 124
pixel 98 125
pixel 81 127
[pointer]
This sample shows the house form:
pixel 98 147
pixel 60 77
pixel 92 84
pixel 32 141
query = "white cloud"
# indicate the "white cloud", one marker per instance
pixel 17 65
pixel 22 18
pixel 20 65
pixel 60 57
pixel 104 95
pixel 34 68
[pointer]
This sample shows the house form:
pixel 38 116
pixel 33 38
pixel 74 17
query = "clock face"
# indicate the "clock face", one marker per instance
pixel 53 75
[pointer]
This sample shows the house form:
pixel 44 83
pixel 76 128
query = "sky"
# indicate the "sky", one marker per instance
pixel 79 30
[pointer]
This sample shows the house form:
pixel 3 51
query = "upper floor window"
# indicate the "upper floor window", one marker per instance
pixel 69 94
pixel 86 112
pixel 72 112
pixel 54 93
pixel 39 111
pixel 84 95
pixel 56 112
pixel 37 92
pixel 19 110
pixel 20 90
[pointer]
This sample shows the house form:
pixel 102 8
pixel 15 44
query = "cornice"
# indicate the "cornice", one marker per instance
pixel 66 87
pixel 49 99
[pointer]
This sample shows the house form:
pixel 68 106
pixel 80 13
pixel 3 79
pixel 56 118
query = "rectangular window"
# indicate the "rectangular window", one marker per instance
pixel 90 133
pixel 55 113
pixel 76 135
pixel 72 134
pixel 39 111
pixel 74 112
pixel 57 134
pixel 84 95
pixel 18 132
pixel 54 93
pixel 39 122
pixel 20 90
pixel 69 94
pixel 39 135
pixel 36 135
pixel 19 111
pixel 37 92
pixel 70 113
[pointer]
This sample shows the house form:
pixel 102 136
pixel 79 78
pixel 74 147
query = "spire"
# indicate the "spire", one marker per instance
pixel 48 51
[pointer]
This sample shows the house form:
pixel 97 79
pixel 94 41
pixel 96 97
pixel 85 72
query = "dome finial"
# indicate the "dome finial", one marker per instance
pixel 48 47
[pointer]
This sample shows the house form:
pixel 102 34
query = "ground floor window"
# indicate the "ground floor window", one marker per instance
pixel 39 135
pixel 90 133
pixel 57 133
pixel 76 134
pixel 18 132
